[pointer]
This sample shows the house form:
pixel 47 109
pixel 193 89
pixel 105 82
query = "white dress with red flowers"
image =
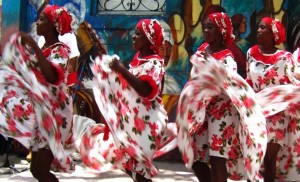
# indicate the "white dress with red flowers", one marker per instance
pixel 138 125
pixel 272 76
pixel 218 115
pixel 34 112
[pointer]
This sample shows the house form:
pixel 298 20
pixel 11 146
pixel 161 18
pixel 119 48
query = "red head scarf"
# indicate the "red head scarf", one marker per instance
pixel 223 23
pixel 152 29
pixel 276 28
pixel 60 17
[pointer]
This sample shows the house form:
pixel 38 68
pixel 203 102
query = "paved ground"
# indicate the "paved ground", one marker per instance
pixel 168 172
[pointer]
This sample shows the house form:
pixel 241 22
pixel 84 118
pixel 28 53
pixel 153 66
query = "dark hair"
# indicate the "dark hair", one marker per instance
pixel 236 20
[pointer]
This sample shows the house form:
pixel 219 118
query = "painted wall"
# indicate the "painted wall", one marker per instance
pixel 183 17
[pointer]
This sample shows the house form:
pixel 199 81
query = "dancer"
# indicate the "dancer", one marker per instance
pixel 35 107
pixel 131 105
pixel 216 110
pixel 238 55
pixel 267 67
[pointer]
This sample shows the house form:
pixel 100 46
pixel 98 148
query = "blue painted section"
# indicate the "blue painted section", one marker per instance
pixel 124 21
pixel 10 14
pixel 116 30
pixel 240 8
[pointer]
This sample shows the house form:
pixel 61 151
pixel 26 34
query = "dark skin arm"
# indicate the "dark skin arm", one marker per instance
pixel 73 64
pixel 46 67
pixel 143 88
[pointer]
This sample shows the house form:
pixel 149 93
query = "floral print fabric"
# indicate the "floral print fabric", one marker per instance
pixel 138 128
pixel 34 112
pixel 246 133
pixel 273 77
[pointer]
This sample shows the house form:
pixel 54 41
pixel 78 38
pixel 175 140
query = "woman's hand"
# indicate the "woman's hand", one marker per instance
pixel 205 54
pixel 45 66
pixel 26 39
pixel 116 65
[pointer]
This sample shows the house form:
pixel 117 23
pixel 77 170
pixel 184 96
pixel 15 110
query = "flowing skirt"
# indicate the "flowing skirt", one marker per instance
pixel 29 111
pixel 138 129
pixel 213 81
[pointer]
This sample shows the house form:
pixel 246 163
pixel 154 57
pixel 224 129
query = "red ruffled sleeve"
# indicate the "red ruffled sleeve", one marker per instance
pixel 153 85
pixel 249 81
pixel 72 78
pixel 60 73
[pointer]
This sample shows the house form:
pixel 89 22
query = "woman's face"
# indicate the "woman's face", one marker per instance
pixel 210 32
pixel 243 26
pixel 139 40
pixel 43 24
pixel 264 34
pixel 165 51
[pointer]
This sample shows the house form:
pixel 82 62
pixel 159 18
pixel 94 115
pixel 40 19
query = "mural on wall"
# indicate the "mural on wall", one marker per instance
pixel 293 31
pixel 184 18
pixel 245 16
pixel 0 18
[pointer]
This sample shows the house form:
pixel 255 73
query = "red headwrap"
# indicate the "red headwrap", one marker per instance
pixel 276 28
pixel 153 31
pixel 223 23
pixel 60 17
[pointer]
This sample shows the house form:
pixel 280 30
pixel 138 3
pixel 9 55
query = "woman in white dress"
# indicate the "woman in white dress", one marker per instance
pixel 129 100
pixel 268 67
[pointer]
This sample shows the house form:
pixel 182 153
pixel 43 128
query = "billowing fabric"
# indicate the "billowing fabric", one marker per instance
pixel 152 29
pixel 225 56
pixel 34 112
pixel 296 56
pixel 60 17
pixel 277 29
pixel 218 115
pixel 223 23
pixel 137 125
pixel 272 76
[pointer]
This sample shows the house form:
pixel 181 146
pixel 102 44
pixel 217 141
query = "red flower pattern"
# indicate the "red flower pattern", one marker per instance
pixel 139 124
pixel 217 143
pixel 38 101
pixel 281 125
pixel 137 136
pixel 228 132
pixel 248 102
pixel 228 94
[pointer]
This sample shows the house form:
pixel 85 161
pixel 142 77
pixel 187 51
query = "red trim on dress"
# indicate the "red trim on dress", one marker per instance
pixel 220 56
pixel 249 81
pixel 106 132
pixel 72 78
pixel 60 72
pixel 266 59
pixel 153 85
pixel 139 61
pixel 136 61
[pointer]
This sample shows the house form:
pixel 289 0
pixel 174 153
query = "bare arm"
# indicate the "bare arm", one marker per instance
pixel 73 64
pixel 143 88
pixel 46 67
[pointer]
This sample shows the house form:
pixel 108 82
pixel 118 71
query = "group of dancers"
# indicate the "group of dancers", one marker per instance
pixel 227 127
